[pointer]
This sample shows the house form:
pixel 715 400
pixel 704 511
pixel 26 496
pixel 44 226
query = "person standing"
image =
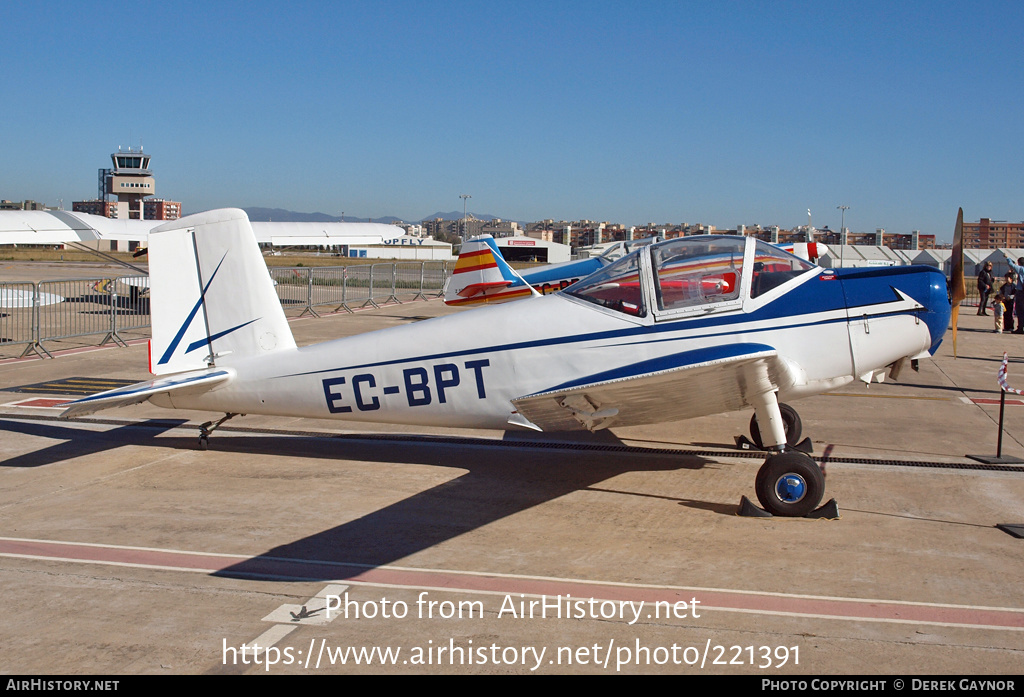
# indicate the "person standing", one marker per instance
pixel 1009 292
pixel 1018 299
pixel 985 281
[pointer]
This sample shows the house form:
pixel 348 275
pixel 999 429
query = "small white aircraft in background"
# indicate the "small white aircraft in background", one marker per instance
pixel 481 275
pixel 675 330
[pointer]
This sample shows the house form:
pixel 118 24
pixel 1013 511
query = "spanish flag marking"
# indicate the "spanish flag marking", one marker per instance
pixel 475 261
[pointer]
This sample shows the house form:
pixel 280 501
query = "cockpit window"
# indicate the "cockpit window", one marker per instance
pixel 616 286
pixel 773 267
pixel 697 270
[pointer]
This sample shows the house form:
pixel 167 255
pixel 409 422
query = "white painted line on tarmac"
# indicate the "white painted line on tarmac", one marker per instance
pixel 490 583
pixel 287 617
pixel 313 612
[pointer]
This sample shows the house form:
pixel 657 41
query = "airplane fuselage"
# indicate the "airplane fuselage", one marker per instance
pixel 829 327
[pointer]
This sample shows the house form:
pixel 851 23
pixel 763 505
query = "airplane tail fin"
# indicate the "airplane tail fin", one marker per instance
pixel 211 294
pixel 482 275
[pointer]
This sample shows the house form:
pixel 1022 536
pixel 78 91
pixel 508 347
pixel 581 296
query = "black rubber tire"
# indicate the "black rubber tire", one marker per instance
pixel 793 501
pixel 790 422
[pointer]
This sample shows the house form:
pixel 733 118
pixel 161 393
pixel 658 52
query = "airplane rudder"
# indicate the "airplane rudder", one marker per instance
pixel 212 294
pixel 244 311
pixel 174 292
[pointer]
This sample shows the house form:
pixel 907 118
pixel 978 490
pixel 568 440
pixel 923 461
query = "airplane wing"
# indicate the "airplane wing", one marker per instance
pixel 681 386
pixel 61 227
pixel 193 382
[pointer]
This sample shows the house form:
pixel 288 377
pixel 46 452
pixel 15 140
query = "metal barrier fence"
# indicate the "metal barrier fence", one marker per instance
pixel 18 305
pixel 33 313
pixel 105 306
pixel 116 308
pixel 334 288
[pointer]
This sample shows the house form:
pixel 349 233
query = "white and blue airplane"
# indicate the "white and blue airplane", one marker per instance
pixel 675 330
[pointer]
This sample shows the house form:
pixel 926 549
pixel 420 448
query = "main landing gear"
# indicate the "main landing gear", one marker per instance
pixel 789 483
pixel 209 427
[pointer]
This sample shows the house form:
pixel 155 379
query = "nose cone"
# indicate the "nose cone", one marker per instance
pixel 937 308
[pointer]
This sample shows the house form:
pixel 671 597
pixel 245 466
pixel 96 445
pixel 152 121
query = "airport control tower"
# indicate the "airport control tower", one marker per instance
pixel 132 182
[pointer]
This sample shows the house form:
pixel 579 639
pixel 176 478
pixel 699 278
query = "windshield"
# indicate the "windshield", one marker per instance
pixel 697 270
pixel 616 286
pixel 773 267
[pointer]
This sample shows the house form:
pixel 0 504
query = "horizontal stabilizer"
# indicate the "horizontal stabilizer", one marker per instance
pixel 681 386
pixel 477 288
pixel 195 382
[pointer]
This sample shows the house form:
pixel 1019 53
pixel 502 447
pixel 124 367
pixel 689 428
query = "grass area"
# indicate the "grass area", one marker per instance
pixel 289 259
pixel 286 259
pixel 8 253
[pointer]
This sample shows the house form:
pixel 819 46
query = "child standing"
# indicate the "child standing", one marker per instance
pixel 997 311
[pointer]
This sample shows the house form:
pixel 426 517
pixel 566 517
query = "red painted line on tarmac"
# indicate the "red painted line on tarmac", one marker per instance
pixel 302 570
pixel 39 402
pixel 988 400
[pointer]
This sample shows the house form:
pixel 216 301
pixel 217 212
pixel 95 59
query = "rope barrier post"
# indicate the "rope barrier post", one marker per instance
pixel 1004 387
pixel 1002 407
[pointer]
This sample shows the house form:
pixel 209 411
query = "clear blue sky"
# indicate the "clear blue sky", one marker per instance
pixel 715 112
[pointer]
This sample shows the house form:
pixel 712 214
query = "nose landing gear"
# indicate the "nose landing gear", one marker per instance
pixel 790 422
pixel 789 484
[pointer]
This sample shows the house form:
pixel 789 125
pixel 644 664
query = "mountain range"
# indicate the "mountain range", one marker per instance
pixel 282 215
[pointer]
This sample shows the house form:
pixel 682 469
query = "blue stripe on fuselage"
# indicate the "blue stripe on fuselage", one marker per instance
pixel 662 363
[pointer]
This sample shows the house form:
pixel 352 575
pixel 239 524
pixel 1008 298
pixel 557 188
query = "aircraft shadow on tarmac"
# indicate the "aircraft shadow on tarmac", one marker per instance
pixel 499 480
pixel 956 388
pixel 76 442
pixel 990 359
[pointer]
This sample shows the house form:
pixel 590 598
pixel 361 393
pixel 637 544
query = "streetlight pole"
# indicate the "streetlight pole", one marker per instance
pixel 842 234
pixel 464 224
